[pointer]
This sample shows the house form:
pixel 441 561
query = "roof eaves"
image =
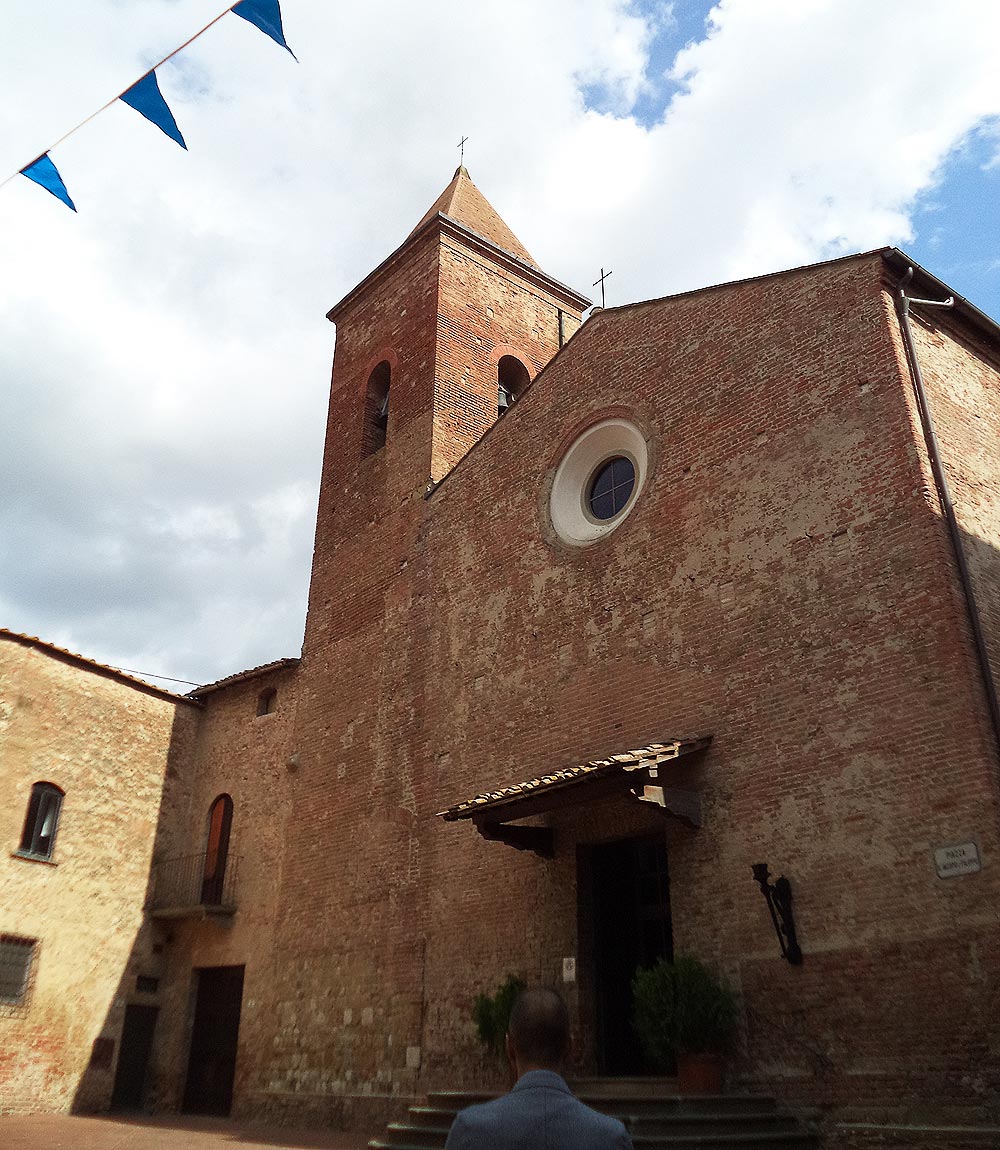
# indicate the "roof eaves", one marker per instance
pixel 969 311
pixel 723 284
pixel 243 676
pixel 891 255
pixel 529 271
pixel 103 669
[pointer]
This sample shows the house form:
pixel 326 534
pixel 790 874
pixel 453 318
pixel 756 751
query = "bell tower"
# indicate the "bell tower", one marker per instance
pixel 427 342
pixel 432 347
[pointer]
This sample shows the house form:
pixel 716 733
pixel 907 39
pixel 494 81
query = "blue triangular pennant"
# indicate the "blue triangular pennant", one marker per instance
pixel 148 101
pixel 265 15
pixel 43 172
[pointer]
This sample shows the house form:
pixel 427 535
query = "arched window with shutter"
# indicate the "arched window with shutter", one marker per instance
pixel 220 821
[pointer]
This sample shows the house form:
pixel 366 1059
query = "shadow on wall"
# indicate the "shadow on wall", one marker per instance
pixel 122 1072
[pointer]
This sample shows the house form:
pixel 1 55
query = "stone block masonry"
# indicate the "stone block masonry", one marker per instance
pixel 110 744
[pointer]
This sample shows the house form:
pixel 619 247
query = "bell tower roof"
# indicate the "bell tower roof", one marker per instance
pixel 463 202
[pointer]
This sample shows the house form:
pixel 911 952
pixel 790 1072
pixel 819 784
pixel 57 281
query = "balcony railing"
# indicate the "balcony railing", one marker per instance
pixel 182 888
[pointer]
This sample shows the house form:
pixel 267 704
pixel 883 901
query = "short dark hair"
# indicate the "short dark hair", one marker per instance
pixel 539 1027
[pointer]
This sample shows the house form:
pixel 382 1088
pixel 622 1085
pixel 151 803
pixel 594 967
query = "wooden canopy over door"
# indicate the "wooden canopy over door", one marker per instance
pixel 637 773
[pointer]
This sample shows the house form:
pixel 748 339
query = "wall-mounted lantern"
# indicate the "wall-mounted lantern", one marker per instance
pixel 778 896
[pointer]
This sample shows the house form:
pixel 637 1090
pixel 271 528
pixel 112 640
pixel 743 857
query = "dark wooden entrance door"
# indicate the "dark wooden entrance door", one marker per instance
pixel 631 909
pixel 212 1061
pixel 133 1057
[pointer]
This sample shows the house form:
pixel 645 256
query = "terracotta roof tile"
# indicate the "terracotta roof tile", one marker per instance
pixel 628 761
pixel 464 202
pixel 92 665
pixel 242 676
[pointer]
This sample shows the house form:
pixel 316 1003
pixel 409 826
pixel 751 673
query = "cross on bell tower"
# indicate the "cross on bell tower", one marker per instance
pixel 600 280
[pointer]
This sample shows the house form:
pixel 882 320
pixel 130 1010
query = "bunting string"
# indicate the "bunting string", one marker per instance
pixel 145 97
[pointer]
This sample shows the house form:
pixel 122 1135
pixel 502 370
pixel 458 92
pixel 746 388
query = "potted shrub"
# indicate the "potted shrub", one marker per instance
pixel 684 1016
pixel 491 1014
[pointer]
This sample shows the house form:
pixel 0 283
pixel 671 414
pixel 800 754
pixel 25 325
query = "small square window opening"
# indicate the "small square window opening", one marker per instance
pixel 16 956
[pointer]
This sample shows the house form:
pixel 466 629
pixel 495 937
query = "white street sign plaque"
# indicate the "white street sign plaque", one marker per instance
pixel 963 858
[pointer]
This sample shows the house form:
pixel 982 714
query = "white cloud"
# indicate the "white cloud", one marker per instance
pixel 164 359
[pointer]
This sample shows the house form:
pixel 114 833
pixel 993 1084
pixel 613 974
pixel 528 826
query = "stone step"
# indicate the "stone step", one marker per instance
pixel 624 1087
pixel 735 1122
pixel 404 1133
pixel 386 1142
pixel 431 1116
pixel 792 1140
pixel 403 1137
pixel 456 1100
pixel 614 1102
pixel 657 1117
pixel 682 1104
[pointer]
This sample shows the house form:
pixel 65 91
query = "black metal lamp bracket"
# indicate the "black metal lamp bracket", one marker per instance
pixel 778 896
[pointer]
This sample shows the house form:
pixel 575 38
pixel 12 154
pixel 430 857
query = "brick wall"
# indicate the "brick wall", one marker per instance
pixel 486 309
pixel 349 968
pixel 962 378
pixel 783 584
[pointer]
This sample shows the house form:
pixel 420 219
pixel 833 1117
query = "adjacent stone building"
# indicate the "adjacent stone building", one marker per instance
pixel 86 756
pixel 714 576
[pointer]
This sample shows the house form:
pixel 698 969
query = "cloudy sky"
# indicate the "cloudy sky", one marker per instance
pixel 164 356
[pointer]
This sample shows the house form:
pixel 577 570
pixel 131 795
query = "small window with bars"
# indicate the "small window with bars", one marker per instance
pixel 16 956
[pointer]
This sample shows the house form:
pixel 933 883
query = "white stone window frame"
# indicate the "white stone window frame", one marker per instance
pixel 568 502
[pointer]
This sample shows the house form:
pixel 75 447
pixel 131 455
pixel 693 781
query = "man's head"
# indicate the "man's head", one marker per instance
pixel 538 1033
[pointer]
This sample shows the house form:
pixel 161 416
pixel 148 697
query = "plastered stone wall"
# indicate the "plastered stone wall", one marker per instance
pixel 251 758
pixel 110 746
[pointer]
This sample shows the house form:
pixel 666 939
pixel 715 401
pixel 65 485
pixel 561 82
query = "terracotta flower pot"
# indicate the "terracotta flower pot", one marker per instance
pixel 699 1073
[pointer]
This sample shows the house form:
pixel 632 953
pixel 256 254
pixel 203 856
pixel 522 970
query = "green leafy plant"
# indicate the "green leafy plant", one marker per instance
pixel 491 1013
pixel 681 1007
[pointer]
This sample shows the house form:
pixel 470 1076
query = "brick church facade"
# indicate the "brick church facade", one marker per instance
pixel 715 576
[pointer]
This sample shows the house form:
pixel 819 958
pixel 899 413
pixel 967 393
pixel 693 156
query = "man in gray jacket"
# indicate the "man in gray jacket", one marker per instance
pixel 540 1113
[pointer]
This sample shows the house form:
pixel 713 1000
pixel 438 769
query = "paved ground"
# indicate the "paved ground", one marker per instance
pixel 65 1132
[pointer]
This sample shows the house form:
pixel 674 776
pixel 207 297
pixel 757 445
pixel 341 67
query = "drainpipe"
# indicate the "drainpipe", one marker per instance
pixel 903 302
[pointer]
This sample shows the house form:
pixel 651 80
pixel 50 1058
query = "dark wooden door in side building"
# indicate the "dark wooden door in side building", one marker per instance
pixel 214 1037
pixel 632 928
pixel 133 1057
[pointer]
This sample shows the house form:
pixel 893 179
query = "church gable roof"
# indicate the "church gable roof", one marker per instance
pixel 463 202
